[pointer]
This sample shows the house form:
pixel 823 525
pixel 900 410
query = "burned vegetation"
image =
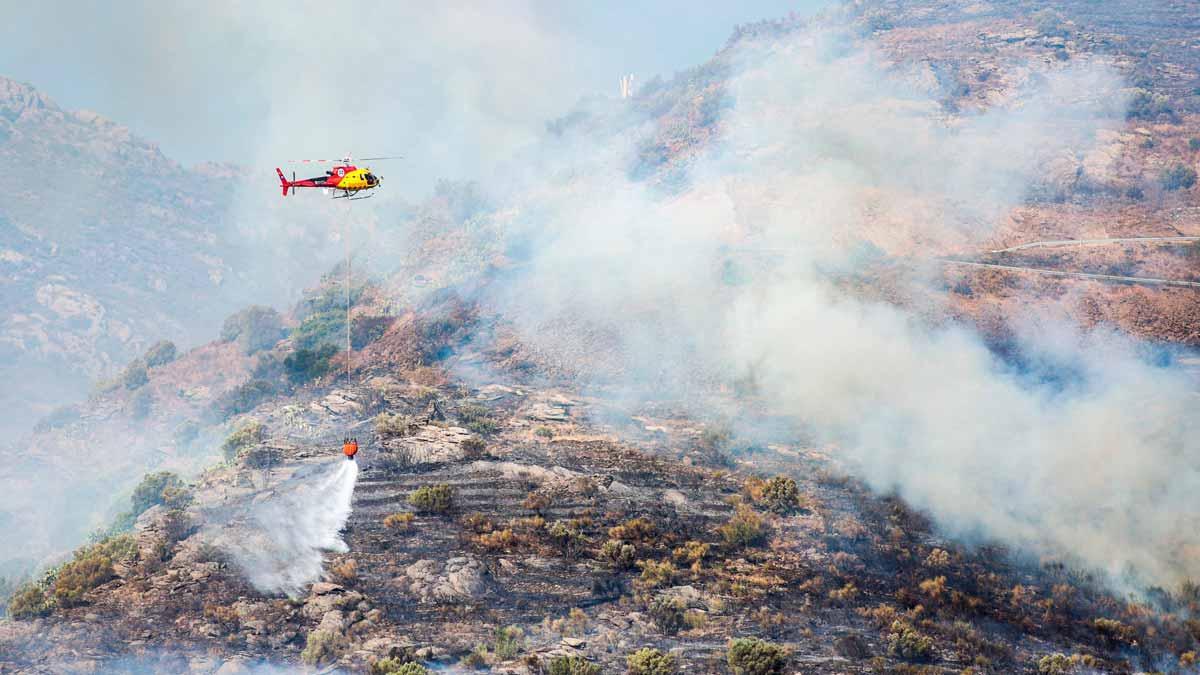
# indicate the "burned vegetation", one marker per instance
pixel 506 519
pixel 528 529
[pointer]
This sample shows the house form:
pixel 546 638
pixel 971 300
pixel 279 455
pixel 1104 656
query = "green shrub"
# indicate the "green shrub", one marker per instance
pixel 366 329
pixel 1054 664
pixel 509 642
pixel 656 574
pixel 28 602
pixel 650 662
pixel 1050 23
pixel 1061 664
pixel 781 495
pixel 240 399
pixel 567 537
pixel 254 328
pixel 247 436
pixel 160 353
pixel 473 447
pixel 259 458
pixel 117 548
pixel 634 529
pixel 321 329
pixel 434 336
pixel 715 438
pixel 400 522
pixel 186 432
pixel 88 570
pixel 691 553
pixel 1114 630
pixel 322 647
pixel 572 665
pixel 907 642
pixel 667 615
pixel 393 424
pixel 162 487
pixel 268 366
pixel 476 659
pixel 308 364
pixel 618 554
pixel 751 656
pixel 1146 105
pixel 397 667
pixel 477 418
pixel 432 498
pixel 1178 177
pixel 331 295
pixel 745 528
pixel 6 591
pixel 135 375
pixel 483 427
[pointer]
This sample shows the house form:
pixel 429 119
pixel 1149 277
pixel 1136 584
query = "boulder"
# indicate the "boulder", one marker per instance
pixel 159 529
pixel 325 588
pixel 235 666
pixel 852 647
pixel 333 621
pixel 688 596
pixel 544 412
pixel 325 597
pixel 456 579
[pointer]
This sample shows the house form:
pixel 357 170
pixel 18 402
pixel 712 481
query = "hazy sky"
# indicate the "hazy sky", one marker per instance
pixel 450 85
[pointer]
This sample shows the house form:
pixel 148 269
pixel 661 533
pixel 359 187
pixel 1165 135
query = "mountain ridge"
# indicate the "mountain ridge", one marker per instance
pixel 103 237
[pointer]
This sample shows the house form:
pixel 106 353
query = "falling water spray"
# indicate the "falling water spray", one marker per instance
pixel 279 541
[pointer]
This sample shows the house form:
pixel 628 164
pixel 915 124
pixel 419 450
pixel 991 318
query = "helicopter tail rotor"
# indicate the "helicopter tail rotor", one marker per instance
pixel 283 182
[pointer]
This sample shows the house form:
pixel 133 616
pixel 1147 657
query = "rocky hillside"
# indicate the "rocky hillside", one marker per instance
pixel 1138 180
pixel 107 247
pixel 514 527
pixel 557 475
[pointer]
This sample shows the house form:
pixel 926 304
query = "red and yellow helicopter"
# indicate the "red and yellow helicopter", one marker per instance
pixel 344 180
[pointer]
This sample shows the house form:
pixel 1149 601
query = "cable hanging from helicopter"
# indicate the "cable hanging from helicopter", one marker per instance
pixel 344 181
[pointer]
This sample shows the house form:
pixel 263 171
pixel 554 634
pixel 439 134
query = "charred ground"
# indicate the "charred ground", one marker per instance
pixel 514 498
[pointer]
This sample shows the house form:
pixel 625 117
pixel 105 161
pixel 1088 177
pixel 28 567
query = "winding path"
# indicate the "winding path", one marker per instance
pixel 1082 275
pixel 1071 242
pixel 1079 275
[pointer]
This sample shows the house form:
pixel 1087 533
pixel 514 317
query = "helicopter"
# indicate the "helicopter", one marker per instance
pixel 344 180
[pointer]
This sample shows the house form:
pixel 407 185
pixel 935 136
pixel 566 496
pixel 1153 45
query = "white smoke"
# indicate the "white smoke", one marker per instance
pixel 155 663
pixel 828 145
pixel 279 539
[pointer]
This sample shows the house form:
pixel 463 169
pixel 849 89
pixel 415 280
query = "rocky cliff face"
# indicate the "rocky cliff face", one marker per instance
pixel 106 246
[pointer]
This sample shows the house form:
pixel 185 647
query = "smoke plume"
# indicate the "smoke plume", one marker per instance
pixel 828 148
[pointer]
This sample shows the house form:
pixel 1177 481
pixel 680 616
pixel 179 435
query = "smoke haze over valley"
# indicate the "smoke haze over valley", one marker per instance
pixel 768 322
